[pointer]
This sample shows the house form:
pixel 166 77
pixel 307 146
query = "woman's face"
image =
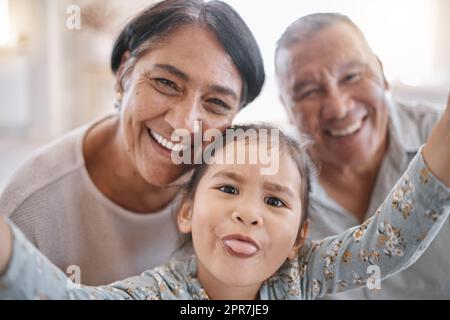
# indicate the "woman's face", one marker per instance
pixel 244 224
pixel 187 77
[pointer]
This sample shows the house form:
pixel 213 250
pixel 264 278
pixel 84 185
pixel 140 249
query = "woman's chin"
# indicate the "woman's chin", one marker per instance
pixel 166 177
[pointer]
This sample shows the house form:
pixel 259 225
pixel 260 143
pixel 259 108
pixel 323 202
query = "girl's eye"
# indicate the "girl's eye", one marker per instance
pixel 274 202
pixel 229 189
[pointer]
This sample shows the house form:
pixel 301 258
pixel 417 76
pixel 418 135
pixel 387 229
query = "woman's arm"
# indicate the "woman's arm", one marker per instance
pixel 396 235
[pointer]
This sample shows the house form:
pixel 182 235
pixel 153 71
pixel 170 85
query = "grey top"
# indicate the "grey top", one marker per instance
pixel 391 240
pixel 428 278
pixel 53 200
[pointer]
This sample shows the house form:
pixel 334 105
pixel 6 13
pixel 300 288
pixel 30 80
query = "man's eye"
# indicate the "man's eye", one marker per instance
pixel 310 93
pixel 229 189
pixel 351 78
pixel 274 202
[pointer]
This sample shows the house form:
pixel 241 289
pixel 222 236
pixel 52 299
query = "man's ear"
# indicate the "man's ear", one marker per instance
pixel 300 241
pixel 287 109
pixel 184 217
pixel 386 83
pixel 281 99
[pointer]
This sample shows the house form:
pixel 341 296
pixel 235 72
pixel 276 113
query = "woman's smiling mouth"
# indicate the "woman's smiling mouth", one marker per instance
pixel 169 145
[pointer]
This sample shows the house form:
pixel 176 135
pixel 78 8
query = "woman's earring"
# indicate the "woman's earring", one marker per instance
pixel 118 101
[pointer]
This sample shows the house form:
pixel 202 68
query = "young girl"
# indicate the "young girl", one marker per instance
pixel 248 231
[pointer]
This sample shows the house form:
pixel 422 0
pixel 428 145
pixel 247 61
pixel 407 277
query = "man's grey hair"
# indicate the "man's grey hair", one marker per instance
pixel 305 27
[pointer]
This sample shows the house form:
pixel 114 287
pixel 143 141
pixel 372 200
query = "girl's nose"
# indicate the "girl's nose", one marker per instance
pixel 249 219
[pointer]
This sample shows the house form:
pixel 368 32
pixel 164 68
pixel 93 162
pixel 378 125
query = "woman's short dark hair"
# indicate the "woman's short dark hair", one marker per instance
pixel 161 19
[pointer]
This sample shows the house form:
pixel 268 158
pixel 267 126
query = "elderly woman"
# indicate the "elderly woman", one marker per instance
pixel 101 198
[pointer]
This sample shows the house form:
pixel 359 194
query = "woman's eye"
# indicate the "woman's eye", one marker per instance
pixel 274 202
pixel 219 103
pixel 166 84
pixel 229 189
pixel 217 106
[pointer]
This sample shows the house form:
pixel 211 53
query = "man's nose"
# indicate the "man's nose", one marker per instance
pixel 335 104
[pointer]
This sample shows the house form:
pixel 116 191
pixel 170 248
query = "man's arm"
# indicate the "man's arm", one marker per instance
pixel 394 237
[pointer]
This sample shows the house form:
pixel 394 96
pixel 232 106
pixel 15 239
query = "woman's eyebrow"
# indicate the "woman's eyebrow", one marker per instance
pixel 173 70
pixel 224 90
pixel 184 76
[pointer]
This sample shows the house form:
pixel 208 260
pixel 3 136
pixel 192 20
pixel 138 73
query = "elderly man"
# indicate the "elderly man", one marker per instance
pixel 333 88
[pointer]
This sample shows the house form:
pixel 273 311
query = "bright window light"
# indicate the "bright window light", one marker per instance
pixel 401 32
pixel 4 22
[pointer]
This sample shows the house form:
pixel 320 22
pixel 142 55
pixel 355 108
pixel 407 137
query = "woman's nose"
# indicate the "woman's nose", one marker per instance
pixel 248 219
pixel 184 115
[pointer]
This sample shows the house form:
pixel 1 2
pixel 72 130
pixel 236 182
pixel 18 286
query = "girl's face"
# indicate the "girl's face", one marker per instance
pixel 187 77
pixel 244 225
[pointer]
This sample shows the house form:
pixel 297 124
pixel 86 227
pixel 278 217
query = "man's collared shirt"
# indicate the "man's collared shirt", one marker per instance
pixel 429 277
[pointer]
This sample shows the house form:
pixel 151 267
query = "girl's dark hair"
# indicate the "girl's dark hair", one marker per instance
pixel 159 20
pixel 295 149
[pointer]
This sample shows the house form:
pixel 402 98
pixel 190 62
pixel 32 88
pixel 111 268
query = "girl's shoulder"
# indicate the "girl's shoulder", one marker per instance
pixel 173 281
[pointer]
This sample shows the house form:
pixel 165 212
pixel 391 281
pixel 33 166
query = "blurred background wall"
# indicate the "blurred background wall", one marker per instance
pixel 54 78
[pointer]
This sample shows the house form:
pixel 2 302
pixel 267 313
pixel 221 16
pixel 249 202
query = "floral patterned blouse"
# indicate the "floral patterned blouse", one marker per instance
pixel 389 242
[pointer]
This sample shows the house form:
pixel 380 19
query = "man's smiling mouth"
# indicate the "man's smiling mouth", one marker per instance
pixel 348 130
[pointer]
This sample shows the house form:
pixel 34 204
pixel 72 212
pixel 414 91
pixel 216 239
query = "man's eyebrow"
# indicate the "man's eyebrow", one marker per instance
pixel 353 64
pixel 229 174
pixel 173 70
pixel 299 85
pixel 224 90
pixel 278 187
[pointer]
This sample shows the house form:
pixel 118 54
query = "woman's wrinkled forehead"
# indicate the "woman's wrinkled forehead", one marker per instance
pixel 184 49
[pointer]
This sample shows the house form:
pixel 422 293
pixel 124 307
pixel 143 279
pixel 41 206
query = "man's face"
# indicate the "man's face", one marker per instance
pixel 333 88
